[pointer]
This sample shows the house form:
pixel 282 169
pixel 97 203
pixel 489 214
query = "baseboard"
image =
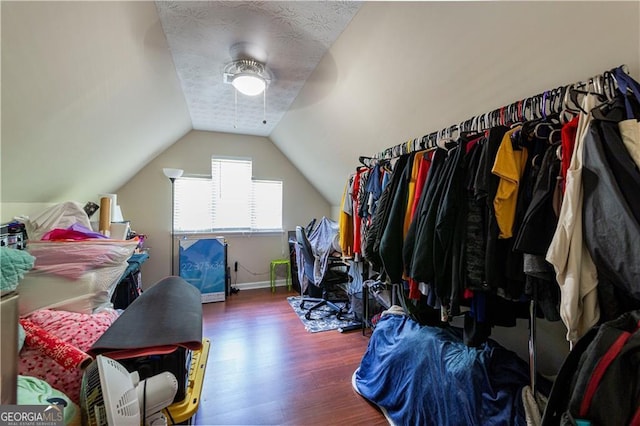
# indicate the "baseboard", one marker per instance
pixel 259 284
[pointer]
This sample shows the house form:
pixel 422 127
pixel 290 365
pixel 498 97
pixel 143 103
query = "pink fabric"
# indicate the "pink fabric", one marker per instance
pixel 76 329
pixel 67 234
pixel 72 259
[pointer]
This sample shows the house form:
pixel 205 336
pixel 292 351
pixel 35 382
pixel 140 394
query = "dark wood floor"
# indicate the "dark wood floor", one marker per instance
pixel 264 368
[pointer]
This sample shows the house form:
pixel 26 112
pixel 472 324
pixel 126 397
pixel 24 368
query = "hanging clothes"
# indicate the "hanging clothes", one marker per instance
pixel 379 220
pixel 486 188
pixel 612 192
pixel 568 137
pixel 509 166
pixel 575 271
pixel 426 197
pixel 376 181
pixel 419 242
pixel 359 182
pixel 536 233
pixel 411 190
pixel 486 224
pixel 475 229
pixel 374 189
pixel 423 170
pixel 345 220
pixel 393 234
pixel 448 231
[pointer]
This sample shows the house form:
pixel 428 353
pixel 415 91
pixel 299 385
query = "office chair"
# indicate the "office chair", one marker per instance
pixel 318 292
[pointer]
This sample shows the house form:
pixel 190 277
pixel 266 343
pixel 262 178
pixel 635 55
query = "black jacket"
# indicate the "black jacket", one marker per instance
pixel 611 206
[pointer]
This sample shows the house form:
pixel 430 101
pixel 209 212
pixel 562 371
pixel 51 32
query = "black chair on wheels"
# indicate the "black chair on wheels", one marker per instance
pixel 318 292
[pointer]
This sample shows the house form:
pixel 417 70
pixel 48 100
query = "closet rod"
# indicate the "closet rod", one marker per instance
pixel 549 102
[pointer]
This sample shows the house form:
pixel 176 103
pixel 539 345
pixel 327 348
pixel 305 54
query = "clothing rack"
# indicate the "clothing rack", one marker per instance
pixel 550 102
pixel 556 101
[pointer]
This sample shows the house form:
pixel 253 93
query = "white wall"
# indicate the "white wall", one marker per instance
pixel 401 70
pixel 89 95
pixel 146 201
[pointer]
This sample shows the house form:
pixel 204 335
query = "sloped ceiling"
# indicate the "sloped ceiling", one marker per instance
pixel 90 92
pixel 89 96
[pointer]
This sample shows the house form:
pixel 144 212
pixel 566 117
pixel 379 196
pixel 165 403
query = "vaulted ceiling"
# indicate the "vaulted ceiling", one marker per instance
pixel 93 91
pixel 290 38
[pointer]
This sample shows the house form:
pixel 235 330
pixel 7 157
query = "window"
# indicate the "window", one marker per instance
pixel 231 200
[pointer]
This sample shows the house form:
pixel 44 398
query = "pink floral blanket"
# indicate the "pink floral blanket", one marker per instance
pixel 76 329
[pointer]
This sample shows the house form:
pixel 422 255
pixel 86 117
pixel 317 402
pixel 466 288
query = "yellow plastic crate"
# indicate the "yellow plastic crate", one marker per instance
pixel 185 409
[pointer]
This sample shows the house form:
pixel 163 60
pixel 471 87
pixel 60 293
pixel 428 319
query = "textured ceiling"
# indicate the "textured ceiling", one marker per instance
pixel 294 35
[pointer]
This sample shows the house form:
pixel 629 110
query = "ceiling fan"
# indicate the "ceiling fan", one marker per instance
pixel 248 72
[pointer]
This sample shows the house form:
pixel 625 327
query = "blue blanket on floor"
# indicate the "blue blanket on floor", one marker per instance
pixel 422 375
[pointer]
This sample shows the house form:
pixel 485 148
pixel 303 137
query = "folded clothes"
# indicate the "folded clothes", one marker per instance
pixel 13 265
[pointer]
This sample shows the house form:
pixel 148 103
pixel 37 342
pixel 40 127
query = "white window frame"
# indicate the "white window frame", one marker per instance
pixel 253 204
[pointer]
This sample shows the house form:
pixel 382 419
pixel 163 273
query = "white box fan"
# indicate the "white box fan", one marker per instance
pixel 111 396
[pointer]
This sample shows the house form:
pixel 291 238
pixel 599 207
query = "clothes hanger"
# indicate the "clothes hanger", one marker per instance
pixel 526 106
pixel 440 139
pixel 554 137
pixel 576 90
pixel 610 85
pixel 546 126
pixel 366 161
pixel 536 107
pixel 447 137
pixel 557 96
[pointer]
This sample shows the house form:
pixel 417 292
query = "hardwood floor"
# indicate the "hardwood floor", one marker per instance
pixel 264 368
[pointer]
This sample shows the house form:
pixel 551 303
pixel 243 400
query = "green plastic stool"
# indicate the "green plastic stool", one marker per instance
pixel 273 268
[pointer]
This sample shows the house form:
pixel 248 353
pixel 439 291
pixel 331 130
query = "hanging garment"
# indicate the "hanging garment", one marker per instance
pixel 449 229
pixel 374 189
pixel 534 238
pixel 515 279
pixel 411 190
pixel 486 187
pixel 575 271
pixel 357 195
pixel 415 229
pixel 345 221
pixel 392 236
pixel 423 171
pixel 426 196
pixel 422 260
pixel 630 131
pixel 379 220
pixel 363 193
pixel 423 163
pixel 540 221
pixel 362 208
pixel 568 135
pixel 508 166
pixel 612 202
pixel 475 231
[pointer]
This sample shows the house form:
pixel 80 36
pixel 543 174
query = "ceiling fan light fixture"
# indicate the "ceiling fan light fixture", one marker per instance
pixel 248 76
pixel 249 83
